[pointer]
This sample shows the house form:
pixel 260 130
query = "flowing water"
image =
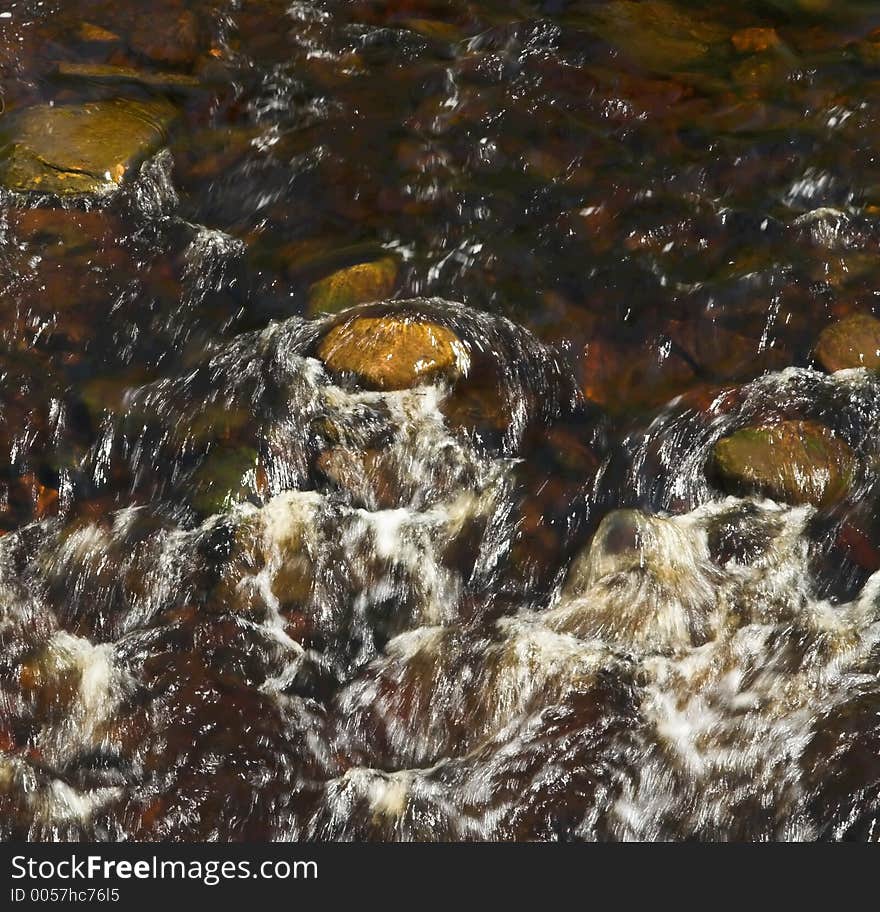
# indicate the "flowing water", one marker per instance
pixel 243 597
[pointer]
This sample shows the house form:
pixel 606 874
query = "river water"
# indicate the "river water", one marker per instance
pixel 242 597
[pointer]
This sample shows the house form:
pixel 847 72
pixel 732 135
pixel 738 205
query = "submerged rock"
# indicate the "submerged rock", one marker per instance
pixel 624 378
pixel 723 353
pixel 81 149
pixel 166 34
pixel 645 581
pixel 394 352
pixel 478 407
pixel 64 232
pixel 868 51
pixel 795 462
pixel 752 40
pixel 110 73
pixel 656 34
pixel 434 29
pixel 96 34
pixel 50 677
pixel 803 6
pixel 226 476
pixel 368 477
pixel 359 284
pixel 851 342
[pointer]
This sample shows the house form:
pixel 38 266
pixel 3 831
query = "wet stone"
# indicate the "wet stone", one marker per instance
pixel 367 477
pixel 868 51
pixel 394 352
pixel 622 378
pixel 434 28
pixel 851 342
pixel 752 40
pixel 721 353
pixel 657 35
pixel 71 231
pixel 476 407
pixel 316 611
pixel 167 35
pixel 50 679
pixel 96 34
pixel 359 284
pixel 85 149
pixel 226 476
pixel 795 462
pixel 813 7
pixel 106 73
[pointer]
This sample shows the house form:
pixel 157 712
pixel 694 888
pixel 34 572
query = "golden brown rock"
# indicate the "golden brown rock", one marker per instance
pixel 851 342
pixel 88 31
pixel 359 284
pixel 394 352
pixel 81 149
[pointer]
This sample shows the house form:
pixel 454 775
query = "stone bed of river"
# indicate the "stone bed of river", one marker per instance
pixel 439 420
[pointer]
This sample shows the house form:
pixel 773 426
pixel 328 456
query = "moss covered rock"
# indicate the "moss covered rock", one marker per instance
pixel 795 462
